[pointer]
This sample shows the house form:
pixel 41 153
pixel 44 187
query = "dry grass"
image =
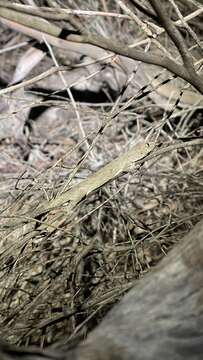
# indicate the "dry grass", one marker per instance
pixel 58 286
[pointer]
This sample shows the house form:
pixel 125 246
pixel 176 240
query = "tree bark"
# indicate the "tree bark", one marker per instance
pixel 161 317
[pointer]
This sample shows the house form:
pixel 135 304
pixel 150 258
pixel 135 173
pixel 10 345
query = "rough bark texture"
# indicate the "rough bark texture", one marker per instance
pixel 160 318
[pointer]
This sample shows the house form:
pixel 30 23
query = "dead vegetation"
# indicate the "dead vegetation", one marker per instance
pixel 68 255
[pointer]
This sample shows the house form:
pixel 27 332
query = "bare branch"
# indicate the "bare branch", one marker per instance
pixel 175 35
pixel 186 72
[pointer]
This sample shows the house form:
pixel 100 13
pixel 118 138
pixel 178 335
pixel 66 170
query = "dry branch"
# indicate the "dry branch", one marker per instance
pixel 185 71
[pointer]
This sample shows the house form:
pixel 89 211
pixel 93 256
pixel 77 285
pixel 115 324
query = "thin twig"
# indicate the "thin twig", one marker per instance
pixel 35 79
pixel 177 39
